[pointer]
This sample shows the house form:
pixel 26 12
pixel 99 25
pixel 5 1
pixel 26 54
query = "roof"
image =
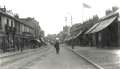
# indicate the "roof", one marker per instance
pixel 75 27
pixel 74 35
pixel 12 17
pixel 103 22
pixel 4 13
pixel 75 31
pixel 101 25
pixel 27 22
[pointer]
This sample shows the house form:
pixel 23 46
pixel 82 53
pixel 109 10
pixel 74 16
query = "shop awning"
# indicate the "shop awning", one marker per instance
pixel 93 27
pixel 100 25
pixel 73 35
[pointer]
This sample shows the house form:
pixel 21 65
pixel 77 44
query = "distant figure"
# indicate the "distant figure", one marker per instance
pixel 57 47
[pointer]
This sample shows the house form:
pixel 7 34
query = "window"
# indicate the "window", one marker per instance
pixel 7 21
pixel 20 28
pixel 25 29
pixel 12 25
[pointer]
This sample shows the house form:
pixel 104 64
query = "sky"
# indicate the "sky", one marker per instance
pixel 51 13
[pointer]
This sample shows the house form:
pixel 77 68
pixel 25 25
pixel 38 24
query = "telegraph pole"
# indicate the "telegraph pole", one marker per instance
pixel 70 33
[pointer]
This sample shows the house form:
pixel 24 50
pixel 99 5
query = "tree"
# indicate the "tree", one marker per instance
pixel 114 8
pixel 108 12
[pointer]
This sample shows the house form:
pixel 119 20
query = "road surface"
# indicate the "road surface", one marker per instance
pixel 50 60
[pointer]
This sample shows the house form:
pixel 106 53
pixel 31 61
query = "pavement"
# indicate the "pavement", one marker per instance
pixel 11 57
pixel 12 53
pixel 106 58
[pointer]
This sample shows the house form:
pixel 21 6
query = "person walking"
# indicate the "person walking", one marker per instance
pixel 57 47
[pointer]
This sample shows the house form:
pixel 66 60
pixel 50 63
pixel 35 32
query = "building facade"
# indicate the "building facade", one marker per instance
pixel 14 32
pixel 34 24
pixel 105 33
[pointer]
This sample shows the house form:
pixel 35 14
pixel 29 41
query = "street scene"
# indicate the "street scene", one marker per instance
pixel 59 34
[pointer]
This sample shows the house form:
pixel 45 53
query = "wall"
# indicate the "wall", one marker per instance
pixel 119 33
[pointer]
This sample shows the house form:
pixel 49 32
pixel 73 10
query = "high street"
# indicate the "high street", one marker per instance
pixel 48 59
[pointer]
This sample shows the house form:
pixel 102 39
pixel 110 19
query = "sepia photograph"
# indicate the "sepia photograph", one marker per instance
pixel 59 34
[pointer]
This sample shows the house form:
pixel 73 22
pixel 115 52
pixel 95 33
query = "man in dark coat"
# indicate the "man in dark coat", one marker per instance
pixel 57 47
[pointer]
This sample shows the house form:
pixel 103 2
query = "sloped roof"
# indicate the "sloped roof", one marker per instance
pixel 75 31
pixel 4 13
pixel 28 22
pixel 101 25
pixel 75 36
pixel 93 27
pixel 75 27
pixel 7 15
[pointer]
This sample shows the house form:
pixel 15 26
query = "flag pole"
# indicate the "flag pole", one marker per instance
pixel 66 20
pixel 84 5
pixel 82 12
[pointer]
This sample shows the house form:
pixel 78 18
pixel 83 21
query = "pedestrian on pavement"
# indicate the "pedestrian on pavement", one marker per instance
pixel 57 47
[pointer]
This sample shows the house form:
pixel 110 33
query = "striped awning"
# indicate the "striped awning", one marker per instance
pixel 100 25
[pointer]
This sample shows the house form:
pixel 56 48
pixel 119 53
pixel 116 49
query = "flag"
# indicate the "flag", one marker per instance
pixel 86 5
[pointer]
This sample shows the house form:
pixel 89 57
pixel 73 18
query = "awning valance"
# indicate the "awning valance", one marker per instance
pixel 100 25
